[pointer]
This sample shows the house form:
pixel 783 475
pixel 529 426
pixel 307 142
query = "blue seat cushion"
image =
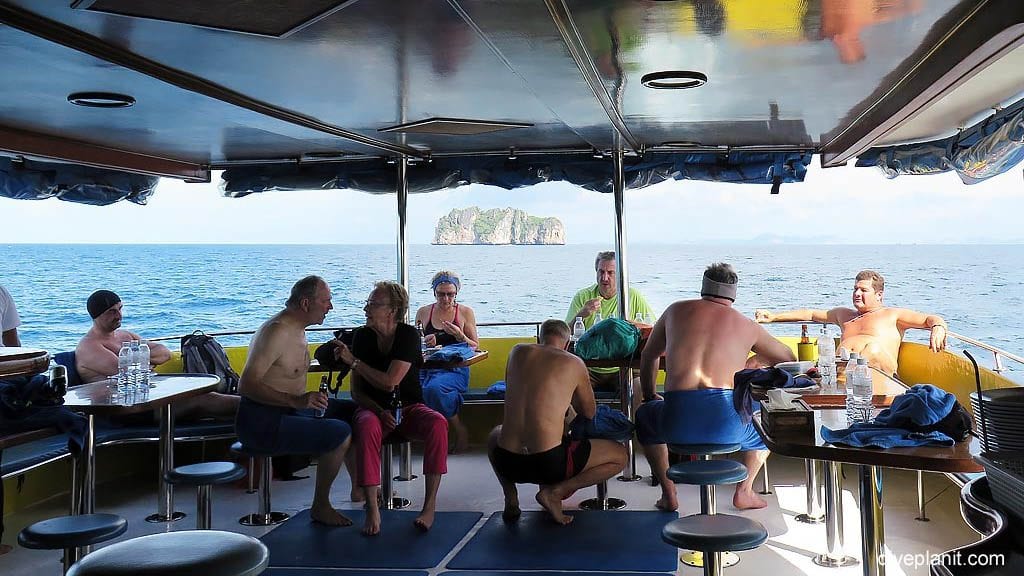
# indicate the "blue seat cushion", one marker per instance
pixel 108 433
pixel 704 472
pixel 714 533
pixel 703 449
pixel 205 473
pixel 72 531
pixel 29 454
pixel 185 552
pixel 67 360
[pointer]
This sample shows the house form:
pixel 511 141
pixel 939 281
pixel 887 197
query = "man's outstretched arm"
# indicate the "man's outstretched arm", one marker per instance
pixel 803 315
pixel 931 322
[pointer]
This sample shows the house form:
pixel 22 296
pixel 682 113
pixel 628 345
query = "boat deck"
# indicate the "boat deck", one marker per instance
pixel 470 486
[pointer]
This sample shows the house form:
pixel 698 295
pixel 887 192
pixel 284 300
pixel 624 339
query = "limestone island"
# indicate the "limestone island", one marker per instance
pixel 497 226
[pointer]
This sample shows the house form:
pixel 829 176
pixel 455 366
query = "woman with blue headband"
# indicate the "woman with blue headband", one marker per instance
pixel 447 322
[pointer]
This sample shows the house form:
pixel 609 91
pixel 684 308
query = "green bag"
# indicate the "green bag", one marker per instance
pixel 609 339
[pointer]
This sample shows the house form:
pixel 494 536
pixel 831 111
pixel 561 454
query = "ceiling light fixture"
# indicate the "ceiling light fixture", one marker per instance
pixel 101 99
pixel 674 80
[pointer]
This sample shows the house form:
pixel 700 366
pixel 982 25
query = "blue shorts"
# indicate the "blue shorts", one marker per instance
pixel 278 430
pixel 705 416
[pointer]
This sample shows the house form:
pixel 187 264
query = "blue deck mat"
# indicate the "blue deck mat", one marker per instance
pixel 502 573
pixel 301 543
pixel 595 541
pixel 343 572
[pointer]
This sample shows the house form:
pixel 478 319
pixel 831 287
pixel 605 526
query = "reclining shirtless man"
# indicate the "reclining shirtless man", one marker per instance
pixel 705 343
pixel 542 381
pixel 871 329
pixel 96 358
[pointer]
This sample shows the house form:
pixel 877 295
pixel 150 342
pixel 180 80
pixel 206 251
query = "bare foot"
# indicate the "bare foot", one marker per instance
pixel 551 502
pixel 667 504
pixel 424 521
pixel 371 527
pixel 329 516
pixel 357 494
pixel 747 501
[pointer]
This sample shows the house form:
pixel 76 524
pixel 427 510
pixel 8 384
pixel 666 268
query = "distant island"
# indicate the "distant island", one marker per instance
pixel 497 226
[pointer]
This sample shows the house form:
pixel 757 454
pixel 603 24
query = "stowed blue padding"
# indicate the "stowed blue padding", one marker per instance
pixel 72 531
pixel 67 360
pixel 114 433
pixel 300 542
pixel 714 533
pixel 205 473
pixel 595 541
pixel 705 472
pixel 504 573
pixel 27 455
pixel 704 449
pixel 275 571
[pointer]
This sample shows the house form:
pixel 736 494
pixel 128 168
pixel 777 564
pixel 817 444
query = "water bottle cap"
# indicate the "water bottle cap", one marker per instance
pixel 862 362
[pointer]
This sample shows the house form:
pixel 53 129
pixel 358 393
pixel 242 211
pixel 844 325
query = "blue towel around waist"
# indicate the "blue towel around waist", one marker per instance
pixel 607 423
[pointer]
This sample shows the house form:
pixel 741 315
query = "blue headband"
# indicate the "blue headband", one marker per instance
pixel 446 279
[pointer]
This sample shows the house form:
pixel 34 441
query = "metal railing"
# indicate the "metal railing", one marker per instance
pixel 997 353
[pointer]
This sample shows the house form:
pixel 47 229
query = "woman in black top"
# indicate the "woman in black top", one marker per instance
pixel 385 360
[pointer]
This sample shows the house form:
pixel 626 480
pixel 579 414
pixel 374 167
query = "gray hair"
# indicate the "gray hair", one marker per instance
pixel 398 297
pixel 554 328
pixel 304 289
pixel 721 272
pixel 608 255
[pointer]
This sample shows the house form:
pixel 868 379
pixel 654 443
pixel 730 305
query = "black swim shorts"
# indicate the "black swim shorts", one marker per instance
pixel 549 467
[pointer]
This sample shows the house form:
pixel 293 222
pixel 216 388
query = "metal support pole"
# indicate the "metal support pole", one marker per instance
pixel 626 397
pixel 922 516
pixel 76 485
pixel 603 502
pixel 813 514
pixel 204 512
pixel 165 491
pixel 402 190
pixel 834 555
pixel 766 485
pixel 405 464
pixel 872 525
pixel 89 475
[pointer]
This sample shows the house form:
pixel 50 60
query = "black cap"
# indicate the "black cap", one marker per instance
pixel 100 301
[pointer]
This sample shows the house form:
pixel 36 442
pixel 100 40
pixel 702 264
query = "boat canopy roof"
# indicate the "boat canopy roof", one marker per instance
pixel 328 93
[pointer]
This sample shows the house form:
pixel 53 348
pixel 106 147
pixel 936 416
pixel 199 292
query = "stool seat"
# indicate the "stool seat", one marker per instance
pixel 702 472
pixel 176 553
pixel 72 531
pixel 714 533
pixel 205 473
pixel 703 449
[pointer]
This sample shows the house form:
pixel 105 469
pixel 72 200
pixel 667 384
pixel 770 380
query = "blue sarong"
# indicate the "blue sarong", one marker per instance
pixel 704 416
pixel 443 389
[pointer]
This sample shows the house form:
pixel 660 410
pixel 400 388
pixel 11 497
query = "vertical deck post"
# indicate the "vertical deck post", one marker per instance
pixel 402 243
pixel 622 277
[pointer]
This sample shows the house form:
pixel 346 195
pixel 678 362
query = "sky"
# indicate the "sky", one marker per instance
pixel 836 205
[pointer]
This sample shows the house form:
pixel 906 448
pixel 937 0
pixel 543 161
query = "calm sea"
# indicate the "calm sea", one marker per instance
pixel 175 289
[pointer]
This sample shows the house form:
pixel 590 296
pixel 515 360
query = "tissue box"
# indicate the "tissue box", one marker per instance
pixel 788 422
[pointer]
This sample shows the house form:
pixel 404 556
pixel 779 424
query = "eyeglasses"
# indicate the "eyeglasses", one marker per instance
pixel 372 304
pixel 446 294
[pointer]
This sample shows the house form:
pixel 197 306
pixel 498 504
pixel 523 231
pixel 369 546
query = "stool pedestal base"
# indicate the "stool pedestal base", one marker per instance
pixel 269 519
pixel 696 559
pixel 173 517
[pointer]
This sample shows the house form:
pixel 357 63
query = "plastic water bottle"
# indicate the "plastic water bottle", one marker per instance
pixel 124 366
pixel 578 329
pixel 133 372
pixel 143 366
pixel 597 319
pixel 324 389
pixel 827 359
pixel 396 404
pixel 851 379
pixel 862 391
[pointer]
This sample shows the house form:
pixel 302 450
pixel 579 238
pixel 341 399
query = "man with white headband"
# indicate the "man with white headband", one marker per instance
pixel 705 342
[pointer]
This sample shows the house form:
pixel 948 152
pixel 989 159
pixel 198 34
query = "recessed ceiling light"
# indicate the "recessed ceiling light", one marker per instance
pixel 101 99
pixel 674 80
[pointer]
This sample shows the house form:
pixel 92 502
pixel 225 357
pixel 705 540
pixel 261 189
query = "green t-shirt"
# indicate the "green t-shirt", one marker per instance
pixel 609 309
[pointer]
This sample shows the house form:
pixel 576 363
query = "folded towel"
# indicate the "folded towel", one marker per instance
pixel 497 389
pixel 453 353
pixel 922 405
pixel 868 435
pixel 607 423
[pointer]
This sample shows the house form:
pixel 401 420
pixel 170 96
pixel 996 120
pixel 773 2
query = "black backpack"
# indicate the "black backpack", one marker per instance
pixel 201 354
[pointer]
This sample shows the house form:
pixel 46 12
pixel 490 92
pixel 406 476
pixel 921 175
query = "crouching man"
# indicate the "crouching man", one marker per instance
pixel 542 381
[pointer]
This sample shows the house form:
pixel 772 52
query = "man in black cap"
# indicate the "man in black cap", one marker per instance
pixel 96 355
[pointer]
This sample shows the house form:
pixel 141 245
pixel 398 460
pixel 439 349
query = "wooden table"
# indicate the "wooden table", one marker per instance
pixel 101 398
pixel 16 361
pixel 958 458
pixel 478 356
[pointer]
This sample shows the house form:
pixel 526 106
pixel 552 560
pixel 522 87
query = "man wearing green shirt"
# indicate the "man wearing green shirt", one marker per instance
pixel 603 297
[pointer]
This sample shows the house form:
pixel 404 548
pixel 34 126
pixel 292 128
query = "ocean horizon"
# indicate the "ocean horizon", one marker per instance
pixel 173 289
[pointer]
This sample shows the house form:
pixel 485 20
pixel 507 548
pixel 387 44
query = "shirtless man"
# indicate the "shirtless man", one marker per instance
pixel 872 330
pixel 273 389
pixel 542 381
pixel 705 342
pixel 96 356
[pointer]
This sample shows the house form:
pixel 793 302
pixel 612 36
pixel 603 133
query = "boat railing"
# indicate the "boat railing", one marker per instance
pixel 535 325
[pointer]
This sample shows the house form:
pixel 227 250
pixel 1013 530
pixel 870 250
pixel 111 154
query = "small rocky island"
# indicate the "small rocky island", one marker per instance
pixel 497 226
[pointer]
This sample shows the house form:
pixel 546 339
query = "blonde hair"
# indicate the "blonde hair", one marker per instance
pixel 398 297
pixel 446 277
